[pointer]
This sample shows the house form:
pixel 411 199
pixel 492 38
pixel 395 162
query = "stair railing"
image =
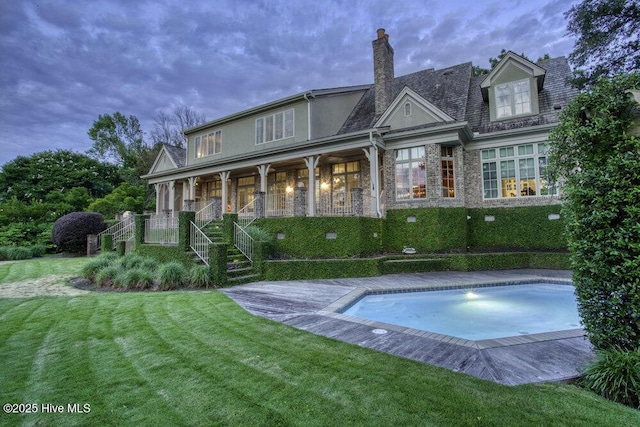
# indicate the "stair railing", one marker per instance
pixel 246 215
pixel 199 242
pixel 205 215
pixel 121 231
pixel 242 241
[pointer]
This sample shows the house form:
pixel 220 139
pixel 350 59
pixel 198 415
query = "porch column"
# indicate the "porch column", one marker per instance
pixel 299 195
pixel 158 201
pixel 224 177
pixel 258 204
pixel 172 197
pixel 312 163
pixel 263 170
pixel 372 154
pixel 192 187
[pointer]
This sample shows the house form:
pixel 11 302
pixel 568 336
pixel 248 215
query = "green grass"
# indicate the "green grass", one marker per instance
pixel 196 358
pixel 14 271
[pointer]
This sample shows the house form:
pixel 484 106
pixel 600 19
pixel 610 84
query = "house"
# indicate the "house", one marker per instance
pixel 428 140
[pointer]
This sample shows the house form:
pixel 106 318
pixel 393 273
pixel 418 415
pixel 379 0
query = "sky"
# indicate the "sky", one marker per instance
pixel 65 62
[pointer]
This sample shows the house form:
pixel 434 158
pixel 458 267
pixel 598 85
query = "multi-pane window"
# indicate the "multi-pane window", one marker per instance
pixel 246 188
pixel 214 188
pixel 274 127
pixel 512 172
pixel 344 177
pixel 411 180
pixel 448 181
pixel 513 99
pixel 209 144
pixel 302 179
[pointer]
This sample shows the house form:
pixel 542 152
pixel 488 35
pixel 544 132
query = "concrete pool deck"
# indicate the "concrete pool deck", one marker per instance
pixel 311 305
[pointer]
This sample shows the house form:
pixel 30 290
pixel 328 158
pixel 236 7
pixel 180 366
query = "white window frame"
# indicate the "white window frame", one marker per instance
pixel 414 156
pixel 512 104
pixel 509 163
pixel 275 127
pixel 208 144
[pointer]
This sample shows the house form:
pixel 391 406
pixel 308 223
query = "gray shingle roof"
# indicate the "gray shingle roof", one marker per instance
pixel 457 92
pixel 177 154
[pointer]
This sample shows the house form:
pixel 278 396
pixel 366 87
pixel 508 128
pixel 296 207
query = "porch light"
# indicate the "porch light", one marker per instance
pixel 289 189
pixel 324 186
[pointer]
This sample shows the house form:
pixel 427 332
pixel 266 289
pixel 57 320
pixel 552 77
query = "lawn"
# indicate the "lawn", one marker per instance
pixel 196 358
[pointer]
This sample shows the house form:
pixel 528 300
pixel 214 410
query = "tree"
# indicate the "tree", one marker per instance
pixel 30 178
pixel 477 70
pixel 120 139
pixel 608 38
pixel 168 128
pixel 596 149
pixel 125 197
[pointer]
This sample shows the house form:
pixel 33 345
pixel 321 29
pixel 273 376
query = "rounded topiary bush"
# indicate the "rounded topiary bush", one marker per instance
pixel 70 231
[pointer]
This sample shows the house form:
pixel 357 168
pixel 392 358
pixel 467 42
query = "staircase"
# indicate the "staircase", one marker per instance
pixel 239 268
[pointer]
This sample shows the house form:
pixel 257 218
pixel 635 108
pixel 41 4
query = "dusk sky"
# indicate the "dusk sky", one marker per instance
pixel 64 62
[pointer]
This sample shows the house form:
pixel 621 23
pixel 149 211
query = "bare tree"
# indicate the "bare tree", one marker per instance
pixel 169 127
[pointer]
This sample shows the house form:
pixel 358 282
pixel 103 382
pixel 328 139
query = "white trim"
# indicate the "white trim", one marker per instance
pixel 428 107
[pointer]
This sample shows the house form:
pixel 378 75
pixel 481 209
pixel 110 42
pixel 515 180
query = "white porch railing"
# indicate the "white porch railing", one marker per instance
pixel 277 205
pixel 162 230
pixel 242 241
pixel 199 242
pixel 121 231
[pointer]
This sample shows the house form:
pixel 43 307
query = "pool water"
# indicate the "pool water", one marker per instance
pixel 478 313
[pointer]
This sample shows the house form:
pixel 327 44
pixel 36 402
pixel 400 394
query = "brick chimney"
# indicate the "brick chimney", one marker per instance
pixel 383 71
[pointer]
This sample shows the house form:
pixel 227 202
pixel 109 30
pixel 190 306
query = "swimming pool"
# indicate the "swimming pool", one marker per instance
pixel 478 313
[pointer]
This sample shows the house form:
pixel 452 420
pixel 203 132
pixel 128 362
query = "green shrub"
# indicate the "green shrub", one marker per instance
pixel 105 278
pixel 20 252
pixel 91 268
pixel 200 277
pixel 135 278
pixel 130 261
pixel 615 374
pixel 171 276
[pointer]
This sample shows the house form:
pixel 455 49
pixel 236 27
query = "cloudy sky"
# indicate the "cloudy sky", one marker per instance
pixel 64 62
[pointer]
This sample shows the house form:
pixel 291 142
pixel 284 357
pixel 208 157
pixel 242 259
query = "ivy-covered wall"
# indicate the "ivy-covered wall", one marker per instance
pixel 518 228
pixel 321 237
pixel 426 229
pixel 165 253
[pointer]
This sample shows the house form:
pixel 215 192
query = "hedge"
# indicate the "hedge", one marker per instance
pixel 520 228
pixel 426 229
pixel 368 267
pixel 317 237
pixel 321 269
pixel 165 254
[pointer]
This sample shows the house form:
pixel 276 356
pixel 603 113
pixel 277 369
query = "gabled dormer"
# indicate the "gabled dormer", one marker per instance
pixel 409 109
pixel 512 88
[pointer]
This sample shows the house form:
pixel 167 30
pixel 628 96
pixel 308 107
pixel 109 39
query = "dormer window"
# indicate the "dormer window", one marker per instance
pixel 513 99
pixel 512 88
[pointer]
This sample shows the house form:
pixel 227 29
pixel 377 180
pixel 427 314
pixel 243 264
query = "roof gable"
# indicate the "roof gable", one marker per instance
pixel 169 157
pixel 422 111
pixel 511 61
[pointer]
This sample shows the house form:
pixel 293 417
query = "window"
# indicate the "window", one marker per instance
pixel 515 173
pixel 448 182
pixel 214 188
pixel 209 144
pixel 302 179
pixel 274 127
pixel 411 182
pixel 407 109
pixel 344 177
pixel 245 190
pixel 513 99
